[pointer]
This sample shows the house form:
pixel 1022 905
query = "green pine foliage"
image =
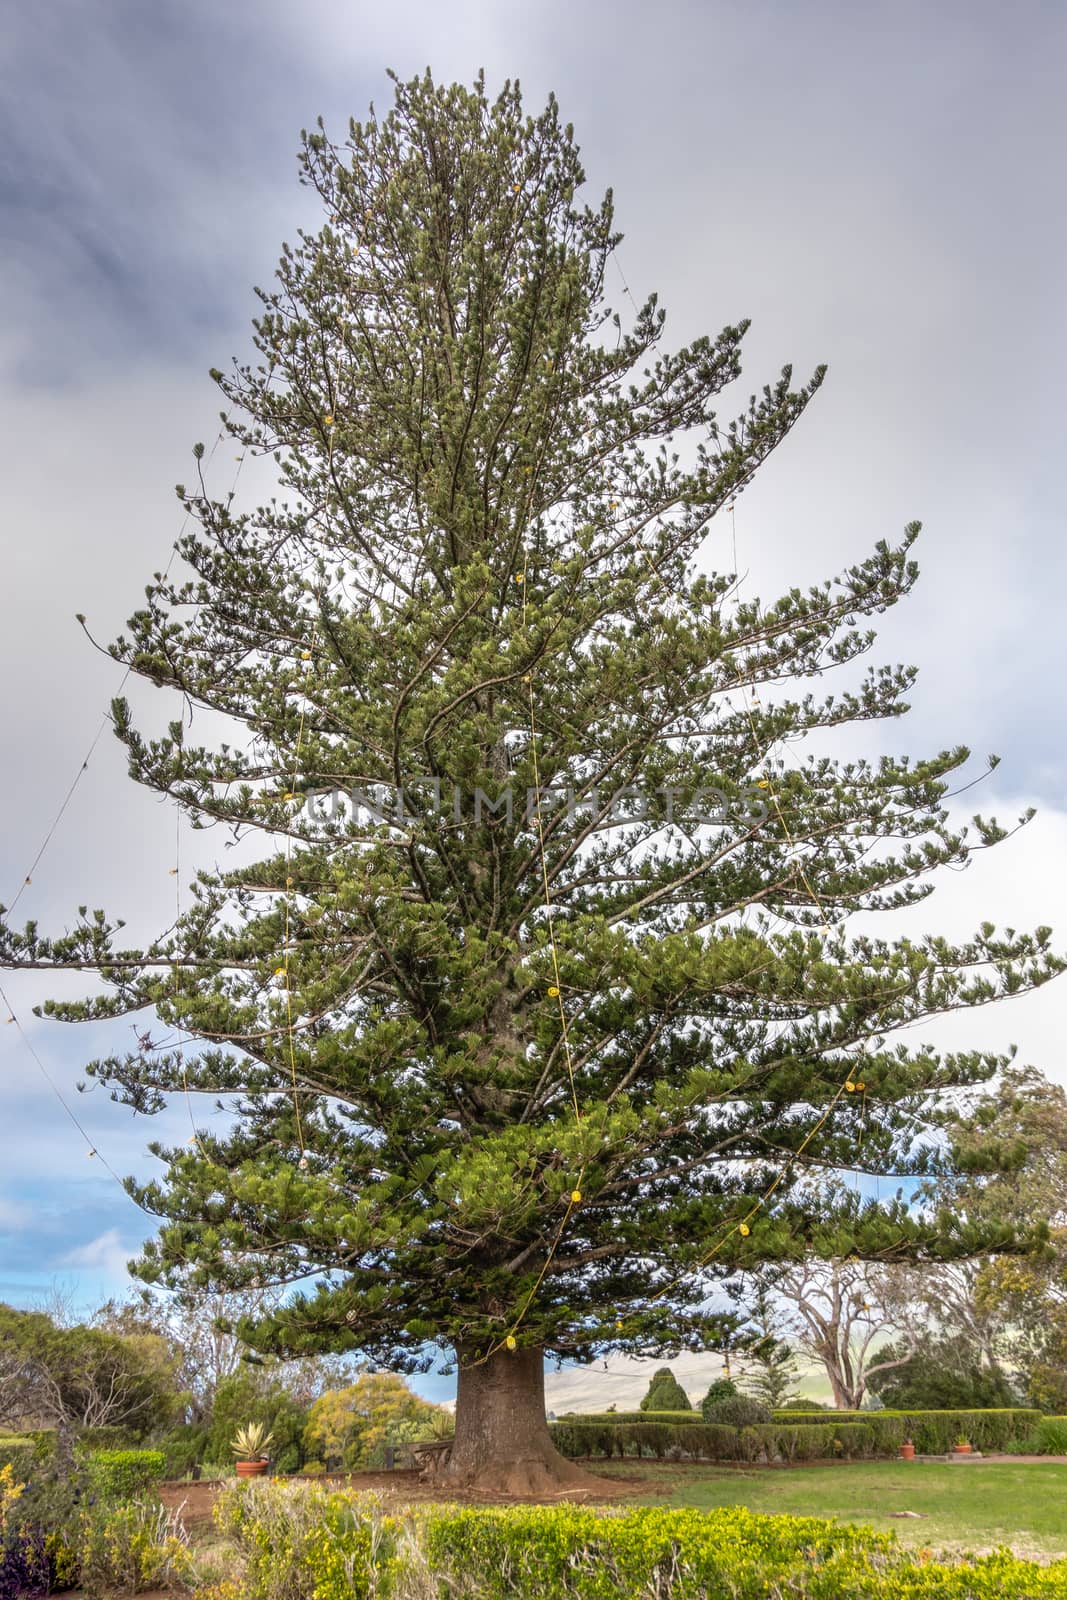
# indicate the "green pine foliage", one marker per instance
pixel 483 570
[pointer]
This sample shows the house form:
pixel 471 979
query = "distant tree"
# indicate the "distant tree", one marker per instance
pixel 839 1309
pixel 942 1374
pixel 73 1379
pixel 770 1360
pixel 665 1393
pixel 350 1427
pixel 199 1327
pixel 1009 1167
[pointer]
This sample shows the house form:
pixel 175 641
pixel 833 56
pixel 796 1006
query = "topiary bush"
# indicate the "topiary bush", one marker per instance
pixel 721 1389
pixel 739 1411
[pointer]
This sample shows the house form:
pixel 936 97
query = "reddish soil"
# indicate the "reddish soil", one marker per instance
pixel 401 1487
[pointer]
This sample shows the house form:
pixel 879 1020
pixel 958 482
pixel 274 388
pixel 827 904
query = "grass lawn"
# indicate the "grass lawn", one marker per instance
pixel 970 1507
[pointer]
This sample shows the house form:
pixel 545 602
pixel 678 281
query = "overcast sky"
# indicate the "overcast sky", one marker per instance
pixel 876 186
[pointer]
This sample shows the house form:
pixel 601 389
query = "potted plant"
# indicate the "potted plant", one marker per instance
pixel 907 1450
pixel 250 1445
pixel 962 1447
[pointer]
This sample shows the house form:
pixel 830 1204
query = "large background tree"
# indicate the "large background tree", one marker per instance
pixel 505 1083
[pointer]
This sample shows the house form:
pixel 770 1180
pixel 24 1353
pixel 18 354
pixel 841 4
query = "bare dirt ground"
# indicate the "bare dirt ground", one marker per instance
pixel 196 1500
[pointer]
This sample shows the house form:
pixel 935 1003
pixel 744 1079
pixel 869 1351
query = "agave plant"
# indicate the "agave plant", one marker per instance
pixel 441 1425
pixel 251 1442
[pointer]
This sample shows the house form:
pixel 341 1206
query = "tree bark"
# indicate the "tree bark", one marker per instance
pixel 502 1444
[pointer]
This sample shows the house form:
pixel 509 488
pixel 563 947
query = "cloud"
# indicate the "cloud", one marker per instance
pixel 105 1256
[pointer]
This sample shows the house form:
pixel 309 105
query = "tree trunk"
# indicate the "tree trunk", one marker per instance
pixel 502 1444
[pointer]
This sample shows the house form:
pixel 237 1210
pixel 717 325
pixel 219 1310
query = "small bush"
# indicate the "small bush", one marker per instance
pixel 17 1452
pixel 184 1448
pixel 740 1411
pixel 721 1389
pixel 23 1562
pixel 130 1547
pixel 1049 1438
pixel 125 1474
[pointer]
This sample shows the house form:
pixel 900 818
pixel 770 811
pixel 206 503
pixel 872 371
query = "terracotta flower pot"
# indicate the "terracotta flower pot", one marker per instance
pixel 961 1449
pixel 251 1469
pixel 907 1452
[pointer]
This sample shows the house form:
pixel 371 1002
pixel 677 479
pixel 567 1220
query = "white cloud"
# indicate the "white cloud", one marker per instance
pixel 105 1256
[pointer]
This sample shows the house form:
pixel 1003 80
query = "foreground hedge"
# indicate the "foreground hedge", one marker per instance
pixel 303 1542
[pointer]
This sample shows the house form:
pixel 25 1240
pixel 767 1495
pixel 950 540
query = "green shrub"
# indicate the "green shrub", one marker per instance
pixel 124 1474
pixel 1049 1438
pixel 302 1541
pixel 185 1448
pixel 17 1451
pixel 739 1411
pixel 720 1389
pixel 129 1547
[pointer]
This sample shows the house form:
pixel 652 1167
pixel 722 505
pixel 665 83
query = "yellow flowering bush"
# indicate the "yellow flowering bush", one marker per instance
pixel 131 1546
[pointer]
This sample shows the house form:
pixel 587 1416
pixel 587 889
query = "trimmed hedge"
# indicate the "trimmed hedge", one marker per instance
pixel 933 1433
pixel 125 1474
pixel 777 1441
pixel 794 1435
pixel 701 1441
pixel 613 1417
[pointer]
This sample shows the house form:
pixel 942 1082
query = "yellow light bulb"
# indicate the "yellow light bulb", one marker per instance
pixel 553 991
pixel 743 1229
pixel 511 1342
pixel 576 1197
pixel 850 1087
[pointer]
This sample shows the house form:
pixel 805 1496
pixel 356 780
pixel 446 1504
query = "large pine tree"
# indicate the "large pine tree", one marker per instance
pixel 512 1082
